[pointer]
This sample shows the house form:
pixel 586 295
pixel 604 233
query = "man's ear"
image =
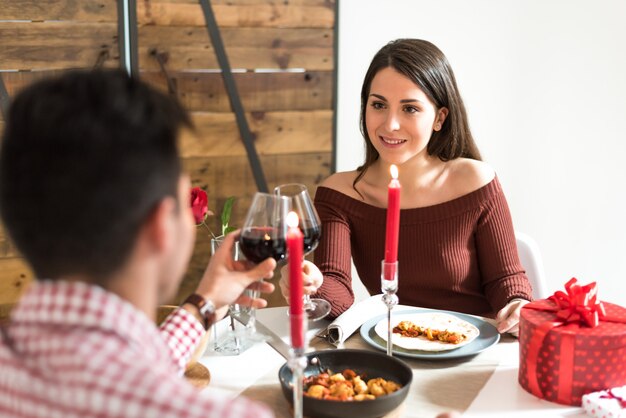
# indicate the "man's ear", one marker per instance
pixel 158 229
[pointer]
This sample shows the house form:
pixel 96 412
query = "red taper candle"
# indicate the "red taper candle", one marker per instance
pixel 295 248
pixel 393 218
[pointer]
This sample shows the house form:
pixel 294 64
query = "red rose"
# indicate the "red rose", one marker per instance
pixel 199 204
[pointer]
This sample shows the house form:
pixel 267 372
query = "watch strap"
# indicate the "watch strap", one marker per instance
pixel 205 307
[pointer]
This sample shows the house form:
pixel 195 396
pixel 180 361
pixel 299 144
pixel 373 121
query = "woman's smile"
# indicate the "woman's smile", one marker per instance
pixel 392 142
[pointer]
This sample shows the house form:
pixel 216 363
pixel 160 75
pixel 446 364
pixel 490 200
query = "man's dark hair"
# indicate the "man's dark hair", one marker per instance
pixel 85 158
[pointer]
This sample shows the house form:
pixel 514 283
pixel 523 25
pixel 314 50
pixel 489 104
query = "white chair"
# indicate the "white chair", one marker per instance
pixel 359 289
pixel 530 257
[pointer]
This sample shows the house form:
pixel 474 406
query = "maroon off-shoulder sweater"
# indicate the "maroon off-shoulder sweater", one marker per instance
pixel 458 255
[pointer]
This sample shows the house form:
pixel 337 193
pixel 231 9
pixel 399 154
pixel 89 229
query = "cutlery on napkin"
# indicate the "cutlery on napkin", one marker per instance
pixel 348 322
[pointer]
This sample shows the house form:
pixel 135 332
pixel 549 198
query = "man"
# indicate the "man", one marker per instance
pixel 92 194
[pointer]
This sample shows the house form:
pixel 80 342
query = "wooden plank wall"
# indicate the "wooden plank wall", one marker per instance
pixel 282 54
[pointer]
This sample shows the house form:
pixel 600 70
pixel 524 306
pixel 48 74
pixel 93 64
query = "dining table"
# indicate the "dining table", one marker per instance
pixel 480 385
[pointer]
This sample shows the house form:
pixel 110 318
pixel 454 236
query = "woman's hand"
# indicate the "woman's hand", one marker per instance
pixel 508 317
pixel 312 279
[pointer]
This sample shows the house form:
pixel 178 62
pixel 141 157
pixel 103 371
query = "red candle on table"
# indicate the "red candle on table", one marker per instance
pixel 295 248
pixel 393 218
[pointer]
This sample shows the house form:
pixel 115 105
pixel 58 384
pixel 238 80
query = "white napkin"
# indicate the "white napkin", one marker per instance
pixel 348 322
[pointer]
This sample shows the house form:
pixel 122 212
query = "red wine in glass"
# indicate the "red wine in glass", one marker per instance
pixel 312 235
pixel 259 243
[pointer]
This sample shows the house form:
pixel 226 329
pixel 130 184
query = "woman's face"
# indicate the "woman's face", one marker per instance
pixel 399 117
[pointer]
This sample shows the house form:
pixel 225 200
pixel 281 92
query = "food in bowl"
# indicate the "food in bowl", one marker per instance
pixel 347 386
pixel 365 362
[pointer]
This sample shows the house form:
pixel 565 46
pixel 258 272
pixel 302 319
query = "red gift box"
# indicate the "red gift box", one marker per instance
pixel 571 345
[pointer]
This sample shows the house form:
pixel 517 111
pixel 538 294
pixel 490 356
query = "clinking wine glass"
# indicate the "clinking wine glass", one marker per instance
pixel 311 228
pixel 264 232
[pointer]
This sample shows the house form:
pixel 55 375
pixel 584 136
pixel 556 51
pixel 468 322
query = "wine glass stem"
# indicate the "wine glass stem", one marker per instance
pixel 308 304
pixel 251 325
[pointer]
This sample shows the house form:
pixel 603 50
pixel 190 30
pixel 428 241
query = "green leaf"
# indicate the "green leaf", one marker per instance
pixel 228 230
pixel 226 212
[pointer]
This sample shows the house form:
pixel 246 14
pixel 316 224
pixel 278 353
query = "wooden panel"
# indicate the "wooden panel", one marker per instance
pixel 206 92
pixel 190 48
pixel 305 3
pixel 258 91
pixel 16 275
pixel 17 80
pixel 258 14
pixel 53 45
pixel 290 113
pixel 274 133
pixel 231 176
pixel 83 10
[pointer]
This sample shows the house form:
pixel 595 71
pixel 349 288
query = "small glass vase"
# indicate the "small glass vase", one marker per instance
pixel 238 337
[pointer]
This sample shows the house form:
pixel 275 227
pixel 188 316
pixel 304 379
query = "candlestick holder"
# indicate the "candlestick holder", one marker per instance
pixel 389 286
pixel 297 363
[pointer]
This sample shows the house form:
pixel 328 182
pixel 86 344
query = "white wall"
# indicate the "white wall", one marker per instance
pixel 544 82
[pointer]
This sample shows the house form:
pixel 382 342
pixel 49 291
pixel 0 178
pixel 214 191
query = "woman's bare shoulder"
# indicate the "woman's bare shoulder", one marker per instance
pixel 342 182
pixel 468 175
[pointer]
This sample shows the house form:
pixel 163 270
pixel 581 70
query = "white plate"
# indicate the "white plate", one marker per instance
pixel 431 319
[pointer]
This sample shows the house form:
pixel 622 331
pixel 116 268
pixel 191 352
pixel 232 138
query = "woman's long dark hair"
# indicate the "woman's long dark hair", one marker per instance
pixel 424 64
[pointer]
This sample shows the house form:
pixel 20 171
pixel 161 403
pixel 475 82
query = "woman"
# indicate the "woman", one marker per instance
pixel 457 246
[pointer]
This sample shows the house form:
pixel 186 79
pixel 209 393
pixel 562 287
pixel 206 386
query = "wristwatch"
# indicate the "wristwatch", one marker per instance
pixel 205 306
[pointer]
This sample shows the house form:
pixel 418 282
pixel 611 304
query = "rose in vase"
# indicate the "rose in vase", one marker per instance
pixel 201 212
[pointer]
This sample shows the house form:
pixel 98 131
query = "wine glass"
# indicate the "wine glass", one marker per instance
pixel 311 228
pixel 264 234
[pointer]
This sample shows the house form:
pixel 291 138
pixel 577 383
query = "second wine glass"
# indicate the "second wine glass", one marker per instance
pixel 311 227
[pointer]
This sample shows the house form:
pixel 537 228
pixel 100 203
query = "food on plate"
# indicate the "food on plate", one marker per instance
pixel 428 331
pixel 409 329
pixel 347 386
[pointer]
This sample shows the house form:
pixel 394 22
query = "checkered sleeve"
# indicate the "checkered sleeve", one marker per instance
pixel 182 333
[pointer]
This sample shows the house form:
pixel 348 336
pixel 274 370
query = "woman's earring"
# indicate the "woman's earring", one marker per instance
pixel 437 127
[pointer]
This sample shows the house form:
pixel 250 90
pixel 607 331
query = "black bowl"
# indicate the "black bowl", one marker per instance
pixel 370 363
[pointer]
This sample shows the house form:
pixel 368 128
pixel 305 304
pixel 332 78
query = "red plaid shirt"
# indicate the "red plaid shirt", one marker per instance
pixel 76 350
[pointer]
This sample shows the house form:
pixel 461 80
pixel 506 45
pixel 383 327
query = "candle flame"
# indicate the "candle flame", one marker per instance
pixel 394 171
pixel 292 220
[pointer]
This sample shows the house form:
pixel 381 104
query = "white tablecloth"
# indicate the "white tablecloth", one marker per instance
pixel 481 386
